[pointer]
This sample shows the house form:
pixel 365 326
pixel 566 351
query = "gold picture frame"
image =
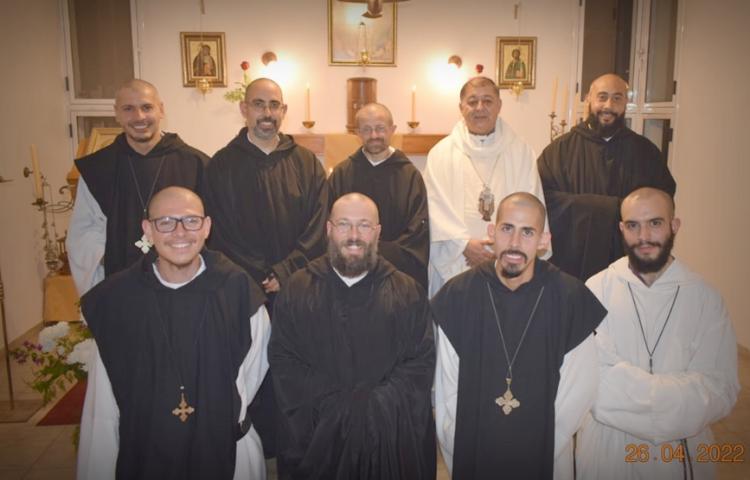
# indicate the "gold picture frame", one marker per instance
pixel 100 137
pixel 203 56
pixel 516 62
pixel 357 36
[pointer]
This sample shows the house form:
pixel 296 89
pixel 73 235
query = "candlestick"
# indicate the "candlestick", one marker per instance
pixel 37 173
pixel 414 103
pixel 554 95
pixel 307 103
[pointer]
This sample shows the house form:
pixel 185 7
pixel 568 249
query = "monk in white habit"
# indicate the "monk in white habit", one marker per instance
pixel 667 354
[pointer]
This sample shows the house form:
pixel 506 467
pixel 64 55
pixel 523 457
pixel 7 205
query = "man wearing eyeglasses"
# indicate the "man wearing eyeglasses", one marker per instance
pixel 388 177
pixel 181 353
pixel 353 357
pixel 268 198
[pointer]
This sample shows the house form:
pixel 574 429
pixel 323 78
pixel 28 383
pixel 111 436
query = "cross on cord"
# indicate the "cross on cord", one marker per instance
pixel 507 402
pixel 183 409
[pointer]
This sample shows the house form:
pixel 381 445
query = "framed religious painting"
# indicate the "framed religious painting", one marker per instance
pixel 362 32
pixel 516 62
pixel 203 56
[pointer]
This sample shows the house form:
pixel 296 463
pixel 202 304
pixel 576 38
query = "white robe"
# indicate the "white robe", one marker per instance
pixel 694 382
pixel 99 440
pixel 86 239
pixel 575 394
pixel 453 188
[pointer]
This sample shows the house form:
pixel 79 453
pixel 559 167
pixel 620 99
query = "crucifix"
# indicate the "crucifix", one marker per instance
pixel 183 410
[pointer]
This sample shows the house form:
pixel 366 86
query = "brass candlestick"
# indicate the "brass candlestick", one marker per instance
pixel 556 129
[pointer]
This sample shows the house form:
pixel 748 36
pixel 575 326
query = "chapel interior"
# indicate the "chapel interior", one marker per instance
pixel 685 61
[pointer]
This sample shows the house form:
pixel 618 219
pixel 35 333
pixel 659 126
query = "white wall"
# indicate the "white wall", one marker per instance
pixel 33 106
pixel 296 30
pixel 711 162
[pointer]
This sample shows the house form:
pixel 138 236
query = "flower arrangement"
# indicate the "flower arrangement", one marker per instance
pixel 238 94
pixel 61 357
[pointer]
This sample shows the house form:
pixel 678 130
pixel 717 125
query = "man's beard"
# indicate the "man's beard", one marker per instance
pixel 375 147
pixel 605 131
pixel 654 265
pixel 514 270
pixel 353 266
pixel 266 134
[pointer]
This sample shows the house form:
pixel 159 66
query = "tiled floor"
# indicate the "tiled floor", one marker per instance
pixel 39 453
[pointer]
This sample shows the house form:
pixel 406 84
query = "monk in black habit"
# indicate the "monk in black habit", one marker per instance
pixel 269 200
pixel 388 177
pixel 353 359
pixel 516 368
pixel 117 182
pixel 588 171
pixel 182 341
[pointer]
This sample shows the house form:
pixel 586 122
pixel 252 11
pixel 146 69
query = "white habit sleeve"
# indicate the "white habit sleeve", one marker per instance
pixel 576 392
pixel 85 241
pixel 99 440
pixel 670 406
pixel 250 462
pixel 446 394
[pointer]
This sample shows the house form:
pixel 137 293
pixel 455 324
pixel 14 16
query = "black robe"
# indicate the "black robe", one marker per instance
pixel 353 367
pixel 268 211
pixel 585 178
pixel 398 190
pixel 208 323
pixel 489 444
pixel 110 181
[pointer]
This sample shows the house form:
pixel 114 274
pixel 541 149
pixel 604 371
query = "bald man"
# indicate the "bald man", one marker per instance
pixel 353 358
pixel 269 200
pixel 181 353
pixel 516 368
pixel 117 182
pixel 387 176
pixel 588 171
pixel 667 353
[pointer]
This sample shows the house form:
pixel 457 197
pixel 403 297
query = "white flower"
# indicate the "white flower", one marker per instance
pixel 82 353
pixel 48 336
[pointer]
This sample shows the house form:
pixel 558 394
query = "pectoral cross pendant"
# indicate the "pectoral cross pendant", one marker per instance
pixel 486 204
pixel 143 244
pixel 506 401
pixel 183 410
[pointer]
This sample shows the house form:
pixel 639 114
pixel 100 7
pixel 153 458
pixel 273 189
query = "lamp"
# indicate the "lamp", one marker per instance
pixel 268 58
pixel 456 61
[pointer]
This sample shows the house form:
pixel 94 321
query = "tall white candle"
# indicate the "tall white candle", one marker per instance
pixel 566 95
pixel 37 173
pixel 307 103
pixel 554 96
pixel 414 103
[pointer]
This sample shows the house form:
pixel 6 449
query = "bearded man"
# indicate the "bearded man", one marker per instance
pixel 353 359
pixel 667 356
pixel 588 171
pixel 268 198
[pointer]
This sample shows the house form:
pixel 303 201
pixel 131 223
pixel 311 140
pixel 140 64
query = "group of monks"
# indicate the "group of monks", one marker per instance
pixel 245 306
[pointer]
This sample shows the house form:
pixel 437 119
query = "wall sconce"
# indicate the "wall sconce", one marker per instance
pixel 268 58
pixel 203 86
pixel 455 60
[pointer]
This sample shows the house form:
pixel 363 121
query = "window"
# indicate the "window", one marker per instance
pixel 637 39
pixel 99 52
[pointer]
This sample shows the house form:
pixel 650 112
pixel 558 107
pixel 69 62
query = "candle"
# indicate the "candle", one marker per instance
pixel 37 173
pixel 566 95
pixel 307 103
pixel 554 95
pixel 414 103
